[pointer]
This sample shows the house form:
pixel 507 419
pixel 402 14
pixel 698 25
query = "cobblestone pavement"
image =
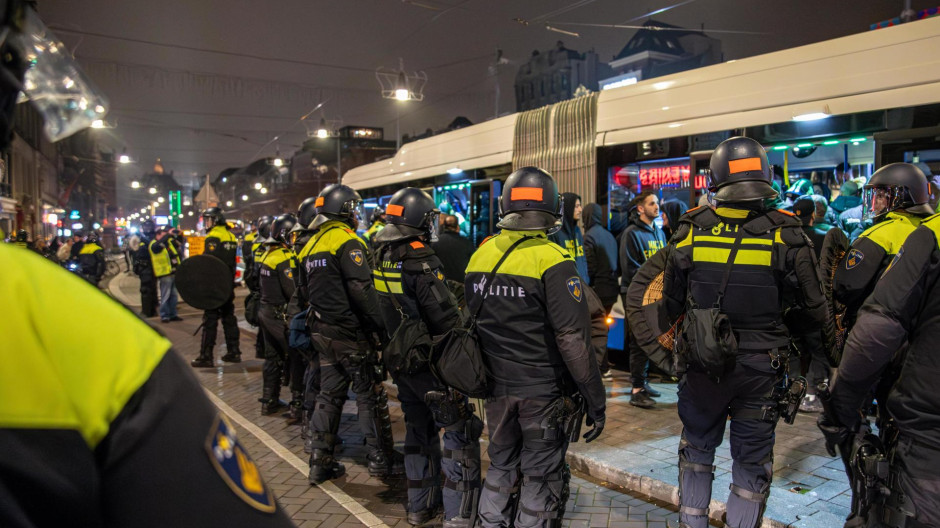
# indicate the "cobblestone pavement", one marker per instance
pixel 592 503
pixel 637 452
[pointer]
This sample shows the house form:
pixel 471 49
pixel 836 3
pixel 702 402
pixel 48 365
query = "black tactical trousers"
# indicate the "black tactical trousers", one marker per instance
pixel 920 485
pixel 274 328
pixel 148 295
pixel 344 362
pixel 423 458
pixel 704 408
pixel 210 321
pixel 517 446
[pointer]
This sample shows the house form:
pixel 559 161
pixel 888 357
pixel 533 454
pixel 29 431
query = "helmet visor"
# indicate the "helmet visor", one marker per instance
pixel 878 201
pixel 434 225
pixel 57 87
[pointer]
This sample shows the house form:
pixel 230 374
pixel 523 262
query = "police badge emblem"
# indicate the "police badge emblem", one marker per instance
pixel 854 258
pixel 235 466
pixel 574 288
pixel 357 256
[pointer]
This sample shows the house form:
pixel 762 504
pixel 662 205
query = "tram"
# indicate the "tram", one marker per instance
pixel 863 101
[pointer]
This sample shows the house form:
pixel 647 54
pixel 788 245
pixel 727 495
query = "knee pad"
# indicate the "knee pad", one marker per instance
pixel 557 484
pixel 695 480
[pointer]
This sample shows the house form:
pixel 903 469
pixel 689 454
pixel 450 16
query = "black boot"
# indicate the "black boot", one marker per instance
pixel 233 355
pixel 270 398
pixel 205 359
pixel 424 516
pixel 295 414
pixel 324 467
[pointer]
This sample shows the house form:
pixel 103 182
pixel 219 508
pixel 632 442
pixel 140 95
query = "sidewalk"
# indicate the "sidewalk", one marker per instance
pixel 638 451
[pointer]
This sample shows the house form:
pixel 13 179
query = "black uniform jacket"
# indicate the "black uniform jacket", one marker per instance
pixel 114 432
pixel 867 259
pixel 454 252
pixel 223 245
pixel 411 271
pixel 534 325
pixel 773 271
pixel 904 308
pixel 334 274
pixel 276 269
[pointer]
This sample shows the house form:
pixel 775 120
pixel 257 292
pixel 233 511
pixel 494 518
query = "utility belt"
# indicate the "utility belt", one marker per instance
pixel 562 420
pixel 280 311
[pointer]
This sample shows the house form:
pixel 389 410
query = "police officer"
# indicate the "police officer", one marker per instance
pixel 276 268
pixel 903 311
pixel 306 211
pixel 252 247
pixel 143 267
pixel 165 259
pixel 91 259
pixel 895 199
pixel 773 270
pixel 534 329
pixel 377 223
pixel 337 279
pixel 410 281
pixel 99 432
pixel 222 244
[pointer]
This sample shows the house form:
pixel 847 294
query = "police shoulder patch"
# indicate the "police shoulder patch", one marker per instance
pixel 357 257
pixel 894 261
pixel 235 466
pixel 853 258
pixel 574 288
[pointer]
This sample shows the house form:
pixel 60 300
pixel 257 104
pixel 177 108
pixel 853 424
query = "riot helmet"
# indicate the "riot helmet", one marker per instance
pixel 801 187
pixel 530 202
pixel 280 229
pixel 740 171
pixel 22 235
pixel 264 228
pixel 305 213
pixel 147 227
pixel 896 186
pixel 409 213
pixel 337 202
pixel 213 217
pixel 378 215
pixel 91 237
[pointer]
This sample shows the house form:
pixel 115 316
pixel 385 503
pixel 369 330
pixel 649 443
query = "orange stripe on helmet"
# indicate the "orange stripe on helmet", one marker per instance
pixel 394 210
pixel 744 165
pixel 416 245
pixel 319 202
pixel 525 193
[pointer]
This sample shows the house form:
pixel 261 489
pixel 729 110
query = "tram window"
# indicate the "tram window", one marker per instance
pixel 669 179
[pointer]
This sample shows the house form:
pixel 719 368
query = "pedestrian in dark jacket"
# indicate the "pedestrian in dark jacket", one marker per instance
pixel 453 250
pixel 672 211
pixel 638 242
pixel 600 252
pixel 569 236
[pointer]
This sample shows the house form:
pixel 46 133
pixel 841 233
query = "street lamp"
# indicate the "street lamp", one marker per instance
pixel 228 203
pixel 135 184
pixel 152 190
pixel 160 199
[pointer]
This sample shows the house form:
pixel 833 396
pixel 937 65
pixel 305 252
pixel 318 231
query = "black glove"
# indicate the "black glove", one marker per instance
pixel 596 425
pixel 835 435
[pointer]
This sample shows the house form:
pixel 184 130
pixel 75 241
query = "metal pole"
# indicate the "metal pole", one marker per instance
pixel 339 161
pixel 397 128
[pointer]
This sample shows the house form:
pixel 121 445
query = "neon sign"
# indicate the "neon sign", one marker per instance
pixel 660 176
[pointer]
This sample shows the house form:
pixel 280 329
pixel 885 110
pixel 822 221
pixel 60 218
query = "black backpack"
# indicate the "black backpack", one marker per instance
pixel 408 351
pixel 458 359
pixel 706 339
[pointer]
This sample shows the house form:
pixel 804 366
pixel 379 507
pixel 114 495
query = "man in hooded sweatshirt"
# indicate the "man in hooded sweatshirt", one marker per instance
pixel 569 236
pixel 638 242
pixel 600 252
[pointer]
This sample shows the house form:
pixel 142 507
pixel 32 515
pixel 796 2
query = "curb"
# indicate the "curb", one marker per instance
pixel 634 482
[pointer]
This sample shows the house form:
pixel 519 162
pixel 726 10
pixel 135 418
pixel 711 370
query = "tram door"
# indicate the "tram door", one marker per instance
pixel 473 203
pixel 484 195
pixel 699 172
